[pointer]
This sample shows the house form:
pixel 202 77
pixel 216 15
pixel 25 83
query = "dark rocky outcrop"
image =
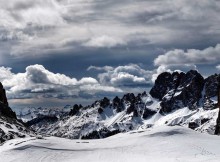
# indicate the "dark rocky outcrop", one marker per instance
pixel 193 125
pixel 135 104
pixel 75 109
pixel 102 133
pixel 101 104
pixel 164 83
pixel 7 111
pixel 217 128
pixel 8 119
pixel 3 97
pixel 100 110
pixel 129 97
pixel 147 113
pixel 178 89
pixel 190 90
pixel 211 86
pixel 131 108
pixel 104 102
pixel 211 91
pixel 42 119
pixel 4 109
pixel 117 104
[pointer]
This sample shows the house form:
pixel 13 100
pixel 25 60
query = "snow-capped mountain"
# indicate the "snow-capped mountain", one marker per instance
pixel 177 98
pixel 10 126
pixel 30 113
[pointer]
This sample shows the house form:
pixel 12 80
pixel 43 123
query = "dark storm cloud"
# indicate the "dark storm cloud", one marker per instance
pixel 86 46
pixel 53 25
pixel 36 75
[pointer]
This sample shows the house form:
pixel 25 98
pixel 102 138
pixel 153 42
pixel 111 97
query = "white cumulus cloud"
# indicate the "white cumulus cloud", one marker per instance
pixel 191 56
pixel 38 82
pixel 131 75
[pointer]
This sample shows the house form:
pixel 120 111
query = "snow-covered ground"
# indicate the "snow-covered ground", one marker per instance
pixel 159 144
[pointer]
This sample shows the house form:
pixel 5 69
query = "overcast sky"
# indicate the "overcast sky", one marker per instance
pixel 58 52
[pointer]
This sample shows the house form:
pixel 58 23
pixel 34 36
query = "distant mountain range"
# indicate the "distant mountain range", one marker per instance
pixel 177 98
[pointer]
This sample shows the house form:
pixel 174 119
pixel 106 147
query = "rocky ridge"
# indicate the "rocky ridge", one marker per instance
pixel 10 126
pixel 176 98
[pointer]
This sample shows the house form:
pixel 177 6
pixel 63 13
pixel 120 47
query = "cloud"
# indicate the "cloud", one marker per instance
pixel 131 75
pixel 87 80
pixel 104 68
pixel 20 13
pixel 104 41
pixel 108 32
pixel 38 74
pixel 191 56
pixel 72 25
pixel 5 73
pixel 38 82
pixel 41 84
pixel 218 67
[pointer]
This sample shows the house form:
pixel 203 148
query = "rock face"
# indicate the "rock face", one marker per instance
pixel 190 90
pixel 163 84
pixel 75 109
pixel 211 91
pixel 217 129
pixel 117 104
pixel 10 127
pixel 4 109
pixel 3 98
pixel 178 90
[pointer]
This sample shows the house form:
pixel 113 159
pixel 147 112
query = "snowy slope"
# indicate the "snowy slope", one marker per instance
pixel 206 119
pixel 167 144
pixel 90 124
pixel 11 128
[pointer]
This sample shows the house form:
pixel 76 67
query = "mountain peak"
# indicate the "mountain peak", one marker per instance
pixel 3 97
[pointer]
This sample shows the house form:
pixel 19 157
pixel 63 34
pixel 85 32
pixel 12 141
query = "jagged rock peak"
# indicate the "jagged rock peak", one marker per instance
pixel 3 97
pixel 165 82
pixel 4 109
pixel 75 109
pixel 178 89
